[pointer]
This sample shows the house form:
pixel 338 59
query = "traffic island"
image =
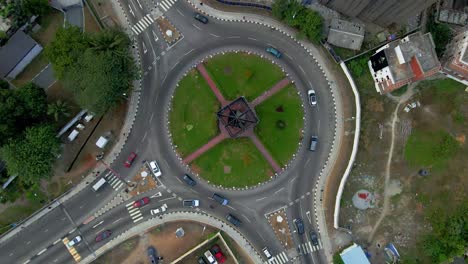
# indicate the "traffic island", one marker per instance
pixel 279 222
pixel 144 181
pixel 170 33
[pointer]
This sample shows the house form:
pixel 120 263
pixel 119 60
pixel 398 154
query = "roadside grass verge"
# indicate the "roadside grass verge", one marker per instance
pixel 241 74
pixel 193 118
pixel 282 108
pixel 16 213
pixel 233 163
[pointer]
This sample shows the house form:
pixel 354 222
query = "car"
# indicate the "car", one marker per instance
pixel 103 235
pixel 312 97
pixel 267 253
pixel 218 253
pixel 141 202
pixel 233 220
pixel 74 241
pixel 201 18
pixel 274 52
pixel 220 199
pixel 201 260
pixel 191 203
pixel 189 180
pixel 314 238
pixel 299 225
pixel 210 257
pixel 313 143
pixel 151 251
pixel 155 168
pixel 159 210
pixel 130 159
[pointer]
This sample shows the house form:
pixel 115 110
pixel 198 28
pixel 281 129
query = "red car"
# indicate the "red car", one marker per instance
pixel 218 254
pixel 103 235
pixel 141 202
pixel 130 159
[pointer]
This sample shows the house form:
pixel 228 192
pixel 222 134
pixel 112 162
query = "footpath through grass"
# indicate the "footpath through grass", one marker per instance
pixel 193 118
pixel 241 74
pixel 233 163
pixel 284 108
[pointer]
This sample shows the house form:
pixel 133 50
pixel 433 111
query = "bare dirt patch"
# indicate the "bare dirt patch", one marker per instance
pixel 279 222
pixel 165 26
pixel 143 184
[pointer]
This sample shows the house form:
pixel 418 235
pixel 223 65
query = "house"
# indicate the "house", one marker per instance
pixel 354 255
pixel 455 60
pixel 346 34
pixel 403 61
pixel 17 53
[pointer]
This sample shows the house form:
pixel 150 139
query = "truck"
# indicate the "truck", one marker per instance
pixel 191 203
pixel 99 184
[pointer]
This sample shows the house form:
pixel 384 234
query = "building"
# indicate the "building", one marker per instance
pixel 455 60
pixel 453 12
pixel 354 255
pixel 346 34
pixel 403 61
pixel 17 53
pixel 380 12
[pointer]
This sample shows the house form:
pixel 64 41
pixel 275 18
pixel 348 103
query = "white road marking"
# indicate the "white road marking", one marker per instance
pixel 45 231
pixel 159 194
pixel 196 26
pixel 179 12
pixel 116 220
pixel 170 198
pixel 71 231
pixel 29 242
pixel 246 218
pixel 308 217
pixel 56 241
pixel 279 190
pixel 27 261
pixel 300 67
pixel 42 251
pixel 145 135
pixel 318 125
pixel 139 4
pixel 155 36
pixel 138 219
pixel 259 199
pixel 144 48
pixel 131 10
pixel 234 37
pixel 231 207
pixel 187 52
pixel 216 36
pixel 289 57
pixel 96 225
pixel 252 38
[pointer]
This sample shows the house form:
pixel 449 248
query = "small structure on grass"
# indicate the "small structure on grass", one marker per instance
pixel 363 199
pixel 237 117
pixel 180 232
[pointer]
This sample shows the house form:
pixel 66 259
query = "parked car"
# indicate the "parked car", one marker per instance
pixel 155 168
pixel 191 203
pixel 218 253
pixel 274 52
pixel 210 257
pixel 312 97
pixel 201 18
pixel 202 260
pixel 151 251
pixel 141 202
pixel 313 143
pixel 314 238
pixel 130 159
pixel 159 210
pixel 74 241
pixel 267 253
pixel 189 180
pixel 299 225
pixel 103 235
pixel 220 199
pixel 233 220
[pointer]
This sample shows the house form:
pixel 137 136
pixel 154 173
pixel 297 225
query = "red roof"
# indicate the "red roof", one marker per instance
pixel 417 71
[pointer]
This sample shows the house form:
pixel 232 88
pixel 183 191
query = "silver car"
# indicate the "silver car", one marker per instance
pixel 312 97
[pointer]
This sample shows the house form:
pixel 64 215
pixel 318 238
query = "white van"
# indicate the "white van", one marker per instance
pixel 267 253
pixel 155 168
pixel 99 184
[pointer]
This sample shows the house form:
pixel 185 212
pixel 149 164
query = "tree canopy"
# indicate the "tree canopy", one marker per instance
pixel 31 156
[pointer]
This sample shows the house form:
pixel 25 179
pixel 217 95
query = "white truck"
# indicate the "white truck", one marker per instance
pixel 99 184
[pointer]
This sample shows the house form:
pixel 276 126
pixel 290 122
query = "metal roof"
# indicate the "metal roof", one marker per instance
pixel 17 47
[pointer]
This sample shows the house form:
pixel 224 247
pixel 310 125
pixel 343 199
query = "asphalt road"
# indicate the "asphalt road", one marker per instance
pixel 162 67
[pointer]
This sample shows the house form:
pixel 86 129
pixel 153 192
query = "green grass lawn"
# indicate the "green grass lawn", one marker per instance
pixel 246 164
pixel 16 213
pixel 240 74
pixel 282 143
pixel 193 114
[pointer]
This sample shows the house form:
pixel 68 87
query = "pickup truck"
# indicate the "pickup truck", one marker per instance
pixel 191 203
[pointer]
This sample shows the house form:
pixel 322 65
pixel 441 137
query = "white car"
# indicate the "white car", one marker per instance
pixel 210 257
pixel 74 241
pixel 267 253
pixel 312 97
pixel 155 168
pixel 162 209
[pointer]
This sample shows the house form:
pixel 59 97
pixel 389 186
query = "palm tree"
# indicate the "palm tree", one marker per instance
pixel 57 109
pixel 114 41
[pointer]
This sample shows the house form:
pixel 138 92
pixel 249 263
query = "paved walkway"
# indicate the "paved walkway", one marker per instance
pixel 201 68
pixel 266 154
pixel 267 94
pixel 197 153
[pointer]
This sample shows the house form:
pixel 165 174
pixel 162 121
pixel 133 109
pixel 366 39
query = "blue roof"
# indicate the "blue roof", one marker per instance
pixel 354 255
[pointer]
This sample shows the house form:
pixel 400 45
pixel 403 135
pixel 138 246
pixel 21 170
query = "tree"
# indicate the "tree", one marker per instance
pixel 63 52
pixel 35 7
pixel 31 157
pixel 4 84
pixel 312 26
pixel 111 40
pixel 278 8
pixel 11 109
pixel 34 100
pixel 57 109
pixel 441 34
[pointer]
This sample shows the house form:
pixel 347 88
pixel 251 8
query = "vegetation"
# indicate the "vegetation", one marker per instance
pixel 281 141
pixel 193 119
pixel 441 34
pixel 97 68
pixel 22 10
pixel 233 163
pixel 57 109
pixel 337 259
pixel 307 21
pixel 241 74
pixel 430 148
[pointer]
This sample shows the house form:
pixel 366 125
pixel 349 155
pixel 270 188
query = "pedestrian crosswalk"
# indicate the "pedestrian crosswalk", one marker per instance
pixel 278 259
pixel 113 180
pixel 166 4
pixel 72 250
pixel 141 25
pixel 307 248
pixel 135 213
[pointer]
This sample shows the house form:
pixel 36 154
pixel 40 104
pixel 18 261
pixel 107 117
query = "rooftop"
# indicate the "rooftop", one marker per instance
pixel 17 47
pixel 354 255
pixel 346 34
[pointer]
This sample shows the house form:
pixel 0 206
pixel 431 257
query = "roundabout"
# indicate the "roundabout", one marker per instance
pixel 236 119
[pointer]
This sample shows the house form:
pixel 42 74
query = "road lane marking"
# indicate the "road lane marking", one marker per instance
pixel 27 261
pixel 169 198
pixel 138 219
pixel 146 133
pixel 159 194
pixel 231 207
pixel 129 204
pixel 289 57
pixel 187 53
pixel 196 26
pixel 56 241
pixel 71 231
pixel 252 38
pixel 146 50
pixel 131 10
pixel 308 217
pixel 300 67
pixel 139 4
pixel 246 218
pixel 259 199
pixel 45 231
pixel 214 35
pixel 279 190
pixel 179 11
pixel 234 37
pixel 98 224
pixel 42 251
pixel 116 220
pixel 29 242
